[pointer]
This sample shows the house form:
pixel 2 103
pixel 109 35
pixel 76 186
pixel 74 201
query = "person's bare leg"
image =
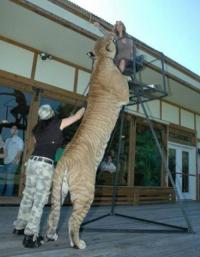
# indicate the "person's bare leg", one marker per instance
pixel 122 65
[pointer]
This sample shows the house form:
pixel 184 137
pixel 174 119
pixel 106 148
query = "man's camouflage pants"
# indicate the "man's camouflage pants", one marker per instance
pixel 39 177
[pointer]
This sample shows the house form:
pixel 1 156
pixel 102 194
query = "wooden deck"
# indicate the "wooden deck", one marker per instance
pixel 107 244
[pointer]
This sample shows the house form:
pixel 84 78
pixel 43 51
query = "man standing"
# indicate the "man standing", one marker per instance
pixel 13 149
pixel 39 173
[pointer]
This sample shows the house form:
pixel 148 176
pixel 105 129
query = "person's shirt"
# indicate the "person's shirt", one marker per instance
pixel 48 141
pixel 13 146
pixel 125 48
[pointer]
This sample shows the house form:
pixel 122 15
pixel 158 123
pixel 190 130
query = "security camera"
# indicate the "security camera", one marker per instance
pixel 91 54
pixel 44 56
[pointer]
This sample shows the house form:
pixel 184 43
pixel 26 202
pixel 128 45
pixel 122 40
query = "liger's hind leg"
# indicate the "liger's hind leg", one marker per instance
pixel 60 191
pixel 80 210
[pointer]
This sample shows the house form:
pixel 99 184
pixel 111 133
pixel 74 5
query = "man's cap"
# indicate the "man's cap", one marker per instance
pixel 45 112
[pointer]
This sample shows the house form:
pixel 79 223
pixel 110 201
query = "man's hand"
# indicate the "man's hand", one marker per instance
pixel 80 113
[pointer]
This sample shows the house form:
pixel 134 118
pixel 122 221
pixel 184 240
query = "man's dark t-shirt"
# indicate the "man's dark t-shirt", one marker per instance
pixel 49 140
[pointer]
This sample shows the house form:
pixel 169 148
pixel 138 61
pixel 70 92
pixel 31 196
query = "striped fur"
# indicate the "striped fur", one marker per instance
pixel 76 170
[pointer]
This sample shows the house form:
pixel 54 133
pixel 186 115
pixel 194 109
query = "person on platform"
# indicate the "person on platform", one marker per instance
pixel 124 45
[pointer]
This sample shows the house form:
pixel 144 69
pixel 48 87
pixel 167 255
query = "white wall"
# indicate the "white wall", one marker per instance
pixel 170 113
pixel 55 73
pixel 187 119
pixel 15 59
pixel 132 109
pixel 82 83
pixel 198 126
pixel 152 108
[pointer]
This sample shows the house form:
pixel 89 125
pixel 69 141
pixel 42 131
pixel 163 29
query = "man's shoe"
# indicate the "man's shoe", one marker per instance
pixel 28 241
pixel 18 231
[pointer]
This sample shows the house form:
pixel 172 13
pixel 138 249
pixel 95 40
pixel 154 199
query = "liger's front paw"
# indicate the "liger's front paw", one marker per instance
pixel 52 237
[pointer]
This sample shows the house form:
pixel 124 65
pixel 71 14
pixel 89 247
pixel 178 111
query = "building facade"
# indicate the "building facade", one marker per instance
pixel 43 59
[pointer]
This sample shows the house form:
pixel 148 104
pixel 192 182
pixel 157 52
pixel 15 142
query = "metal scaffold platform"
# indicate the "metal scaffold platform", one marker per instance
pixel 140 93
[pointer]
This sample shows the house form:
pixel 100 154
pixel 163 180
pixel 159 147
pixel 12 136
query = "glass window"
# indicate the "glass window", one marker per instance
pixel 172 165
pixel 14 110
pixel 147 157
pixel 185 171
pixel 107 169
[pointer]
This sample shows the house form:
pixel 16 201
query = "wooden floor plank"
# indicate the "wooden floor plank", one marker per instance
pixel 106 244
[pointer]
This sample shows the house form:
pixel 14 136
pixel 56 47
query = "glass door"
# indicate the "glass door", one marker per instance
pixel 14 112
pixel 182 164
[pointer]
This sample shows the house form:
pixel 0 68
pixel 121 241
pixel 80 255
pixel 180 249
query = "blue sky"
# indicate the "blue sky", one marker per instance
pixel 169 26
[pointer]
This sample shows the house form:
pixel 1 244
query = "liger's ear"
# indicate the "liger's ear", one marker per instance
pixel 109 47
